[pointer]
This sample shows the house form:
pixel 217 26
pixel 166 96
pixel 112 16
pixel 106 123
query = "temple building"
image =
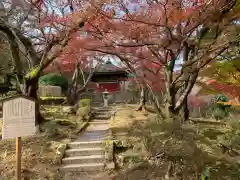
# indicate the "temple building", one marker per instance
pixel 109 77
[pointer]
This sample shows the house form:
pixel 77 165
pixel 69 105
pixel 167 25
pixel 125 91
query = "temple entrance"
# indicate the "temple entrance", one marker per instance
pixel 111 78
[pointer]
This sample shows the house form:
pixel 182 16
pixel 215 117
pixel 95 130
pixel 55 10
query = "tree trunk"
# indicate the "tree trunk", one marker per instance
pixel 170 89
pixel 30 90
pixel 72 97
pixel 156 104
pixel 183 114
pixel 143 100
pixel 177 115
pixel 169 113
pixel 74 91
pixel 169 102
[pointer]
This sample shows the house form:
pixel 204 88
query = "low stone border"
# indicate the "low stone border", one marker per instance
pixel 110 164
pixel 60 153
pixel 86 123
pixel 109 155
pixel 109 149
pixel 83 127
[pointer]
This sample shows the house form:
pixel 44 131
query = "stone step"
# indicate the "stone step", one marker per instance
pixel 83 159
pixel 121 133
pixel 85 144
pixel 96 134
pixel 97 121
pixel 92 136
pixel 102 109
pixel 101 112
pixel 89 139
pixel 83 167
pixel 103 117
pixel 84 152
pixel 98 127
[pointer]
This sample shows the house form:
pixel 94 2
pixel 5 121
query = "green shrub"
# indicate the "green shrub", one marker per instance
pixel 83 113
pixel 84 102
pixel 54 79
pixel 220 111
pixel 221 97
pixel 84 109
pixel 52 100
pixel 206 174
pixel 231 137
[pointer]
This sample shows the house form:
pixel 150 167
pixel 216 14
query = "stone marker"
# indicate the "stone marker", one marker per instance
pixel 105 98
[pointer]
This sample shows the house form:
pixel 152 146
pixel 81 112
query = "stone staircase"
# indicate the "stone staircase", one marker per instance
pixel 87 152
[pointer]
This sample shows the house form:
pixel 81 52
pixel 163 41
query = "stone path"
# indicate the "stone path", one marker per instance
pixel 86 155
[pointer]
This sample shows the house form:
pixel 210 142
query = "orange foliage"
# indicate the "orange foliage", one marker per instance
pixel 130 35
pixel 232 91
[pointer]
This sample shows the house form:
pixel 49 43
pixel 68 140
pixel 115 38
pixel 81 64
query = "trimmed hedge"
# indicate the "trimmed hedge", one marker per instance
pixel 220 111
pixel 84 102
pixel 52 100
pixel 54 79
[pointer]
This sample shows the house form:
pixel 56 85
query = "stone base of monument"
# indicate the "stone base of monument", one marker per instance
pixel 105 102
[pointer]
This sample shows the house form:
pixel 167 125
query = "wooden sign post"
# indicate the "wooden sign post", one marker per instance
pixel 18 157
pixel 18 121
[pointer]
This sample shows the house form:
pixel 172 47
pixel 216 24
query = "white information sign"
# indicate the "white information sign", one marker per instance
pixel 18 117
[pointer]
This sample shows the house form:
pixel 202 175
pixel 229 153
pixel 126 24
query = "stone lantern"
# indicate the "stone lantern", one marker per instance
pixel 105 98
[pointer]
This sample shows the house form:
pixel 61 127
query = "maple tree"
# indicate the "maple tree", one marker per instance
pixel 42 34
pixel 228 72
pixel 229 90
pixel 162 33
pixel 80 65
pixel 223 74
pixel 151 80
pixel 226 69
pixel 224 79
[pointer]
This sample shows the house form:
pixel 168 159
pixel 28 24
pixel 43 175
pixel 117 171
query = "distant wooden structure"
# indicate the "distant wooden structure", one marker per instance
pixel 108 77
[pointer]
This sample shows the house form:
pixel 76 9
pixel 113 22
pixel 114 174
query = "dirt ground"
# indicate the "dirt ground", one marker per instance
pixel 166 151
pixel 163 151
pixel 39 152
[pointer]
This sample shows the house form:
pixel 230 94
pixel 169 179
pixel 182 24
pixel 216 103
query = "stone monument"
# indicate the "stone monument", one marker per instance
pixel 105 98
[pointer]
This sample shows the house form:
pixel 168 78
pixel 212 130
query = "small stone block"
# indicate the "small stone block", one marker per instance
pixel 110 166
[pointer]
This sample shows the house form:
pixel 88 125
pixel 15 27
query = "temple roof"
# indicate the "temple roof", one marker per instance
pixel 108 67
pixel 109 72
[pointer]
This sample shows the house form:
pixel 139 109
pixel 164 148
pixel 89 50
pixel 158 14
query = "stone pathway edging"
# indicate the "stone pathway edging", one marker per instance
pixel 83 127
pixel 88 153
